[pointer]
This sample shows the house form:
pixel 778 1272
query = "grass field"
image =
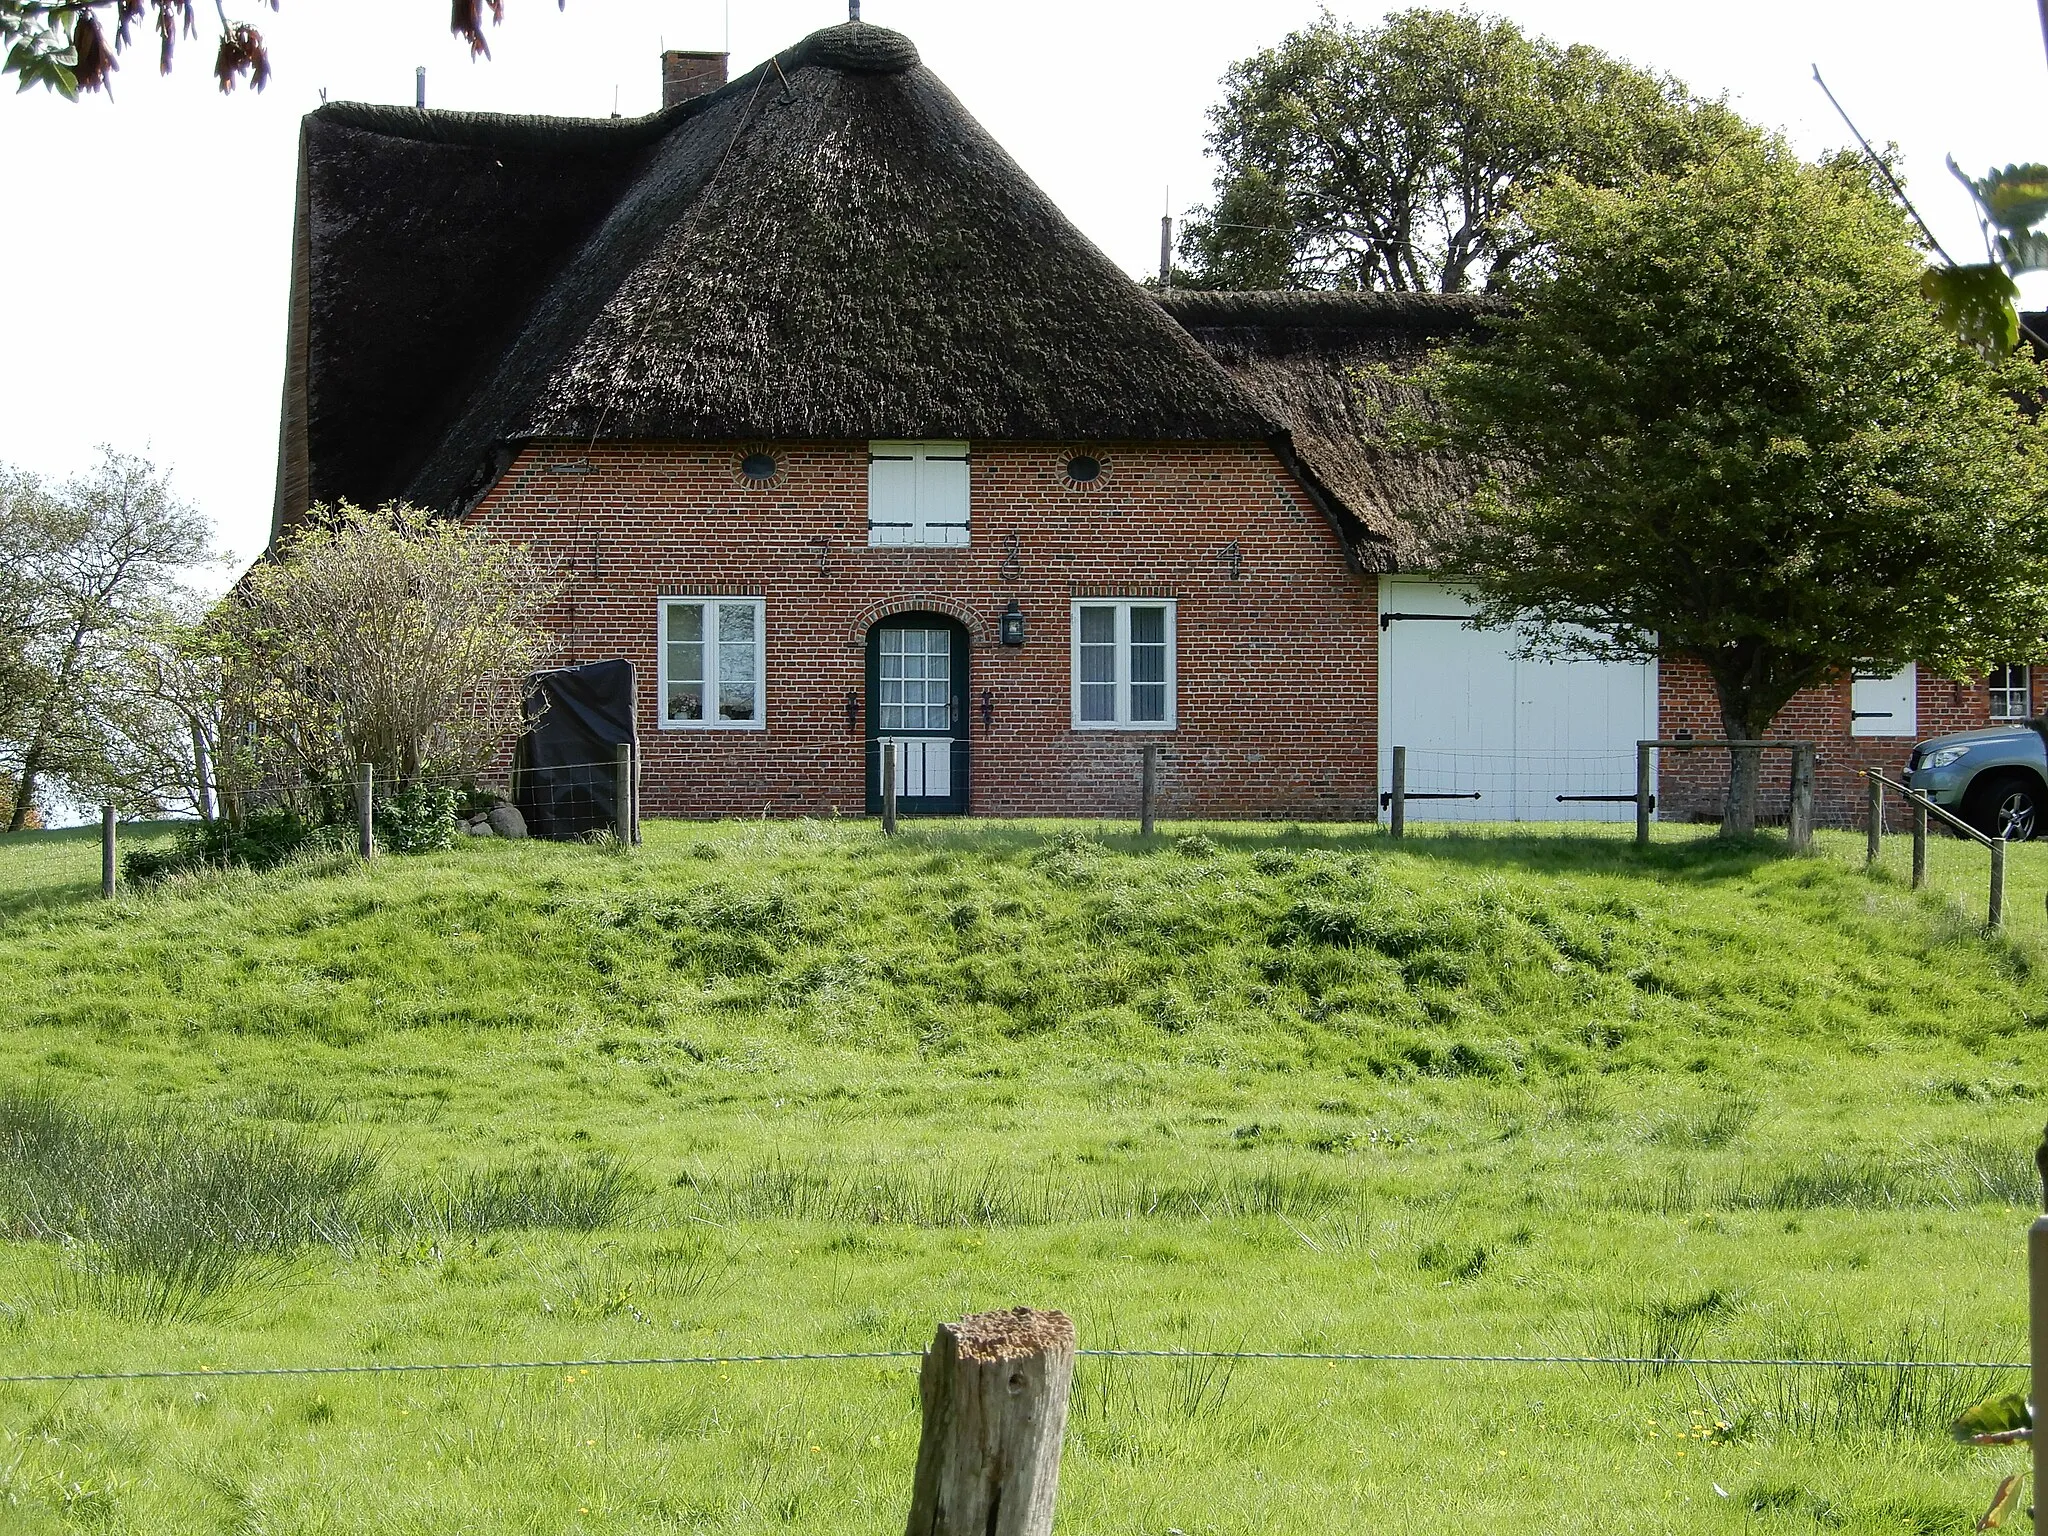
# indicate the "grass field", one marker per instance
pixel 762 1088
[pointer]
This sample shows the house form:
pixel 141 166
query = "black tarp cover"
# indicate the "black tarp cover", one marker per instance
pixel 577 719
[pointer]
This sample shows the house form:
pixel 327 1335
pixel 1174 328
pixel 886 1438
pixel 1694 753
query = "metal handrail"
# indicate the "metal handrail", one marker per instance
pixel 1915 797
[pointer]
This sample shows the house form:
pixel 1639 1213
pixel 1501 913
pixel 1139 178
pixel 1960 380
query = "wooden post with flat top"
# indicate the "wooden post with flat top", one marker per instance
pixel 1919 845
pixel 1873 846
pixel 110 868
pixel 366 811
pixel 994 1390
pixel 889 788
pixel 1799 822
pixel 1397 795
pixel 1645 793
pixel 1148 779
pixel 1995 916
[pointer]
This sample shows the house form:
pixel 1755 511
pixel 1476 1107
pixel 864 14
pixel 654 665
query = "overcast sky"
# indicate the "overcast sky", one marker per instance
pixel 146 239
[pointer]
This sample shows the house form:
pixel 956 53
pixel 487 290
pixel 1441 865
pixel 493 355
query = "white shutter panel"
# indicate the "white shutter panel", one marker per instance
pixel 892 493
pixel 1885 705
pixel 942 493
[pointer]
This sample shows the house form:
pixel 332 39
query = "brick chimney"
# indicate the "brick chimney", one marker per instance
pixel 686 75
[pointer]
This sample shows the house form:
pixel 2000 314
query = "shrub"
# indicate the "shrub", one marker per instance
pixel 420 818
pixel 266 840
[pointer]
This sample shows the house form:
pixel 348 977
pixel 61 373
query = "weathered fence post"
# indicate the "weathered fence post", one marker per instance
pixel 1397 795
pixel 626 814
pixel 1799 824
pixel 1996 916
pixel 1919 845
pixel 1873 847
pixel 994 1390
pixel 889 788
pixel 366 811
pixel 2037 1320
pixel 110 868
pixel 1147 784
pixel 1645 794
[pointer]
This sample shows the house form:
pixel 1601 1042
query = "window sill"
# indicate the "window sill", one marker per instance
pixel 1152 727
pixel 686 726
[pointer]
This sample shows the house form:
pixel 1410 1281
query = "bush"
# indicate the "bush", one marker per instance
pixel 420 818
pixel 266 840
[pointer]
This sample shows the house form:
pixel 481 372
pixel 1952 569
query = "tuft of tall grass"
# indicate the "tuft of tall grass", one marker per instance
pixel 166 1215
pixel 1655 1330
pixel 938 1195
pixel 583 1195
pixel 1853 1403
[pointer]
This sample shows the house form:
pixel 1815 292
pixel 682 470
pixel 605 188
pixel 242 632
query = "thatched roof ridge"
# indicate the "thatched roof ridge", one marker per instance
pixel 829 247
pixel 1328 368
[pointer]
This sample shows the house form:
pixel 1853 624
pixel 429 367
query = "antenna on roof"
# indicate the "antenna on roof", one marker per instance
pixel 419 88
pixel 853 10
pixel 1166 242
pixel 615 101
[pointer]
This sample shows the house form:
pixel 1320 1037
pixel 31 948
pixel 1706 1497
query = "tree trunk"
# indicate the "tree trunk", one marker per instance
pixel 1745 775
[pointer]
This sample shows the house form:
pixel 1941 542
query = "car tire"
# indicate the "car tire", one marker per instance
pixel 2007 805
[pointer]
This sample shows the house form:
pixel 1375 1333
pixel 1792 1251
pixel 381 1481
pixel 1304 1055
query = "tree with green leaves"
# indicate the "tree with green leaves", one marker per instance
pixel 392 637
pixel 66 46
pixel 1395 156
pixel 93 564
pixel 1720 423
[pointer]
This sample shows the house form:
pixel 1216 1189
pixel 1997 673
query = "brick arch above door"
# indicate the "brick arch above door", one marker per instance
pixel 874 613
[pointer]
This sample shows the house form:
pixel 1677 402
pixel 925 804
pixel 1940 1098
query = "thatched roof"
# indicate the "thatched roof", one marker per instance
pixel 1327 367
pixel 827 248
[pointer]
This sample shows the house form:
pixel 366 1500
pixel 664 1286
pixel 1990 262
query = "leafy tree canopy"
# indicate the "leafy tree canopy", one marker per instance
pixel 65 46
pixel 1722 424
pixel 1394 156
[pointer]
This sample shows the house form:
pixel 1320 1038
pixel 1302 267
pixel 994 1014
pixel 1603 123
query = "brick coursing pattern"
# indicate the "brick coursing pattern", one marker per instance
pixel 1276 651
pixel 1691 785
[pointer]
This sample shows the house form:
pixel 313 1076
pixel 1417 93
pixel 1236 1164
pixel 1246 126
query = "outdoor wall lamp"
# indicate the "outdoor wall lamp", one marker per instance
pixel 988 708
pixel 852 708
pixel 1012 625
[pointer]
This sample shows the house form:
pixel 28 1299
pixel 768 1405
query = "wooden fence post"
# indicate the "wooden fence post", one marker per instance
pixel 1397 795
pixel 889 788
pixel 110 868
pixel 1147 784
pixel 366 811
pixel 1799 825
pixel 994 1389
pixel 2037 1320
pixel 1645 793
pixel 1873 847
pixel 1996 915
pixel 1919 845
pixel 622 793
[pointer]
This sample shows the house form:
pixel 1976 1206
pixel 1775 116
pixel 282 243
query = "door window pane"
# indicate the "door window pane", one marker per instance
pixel 916 679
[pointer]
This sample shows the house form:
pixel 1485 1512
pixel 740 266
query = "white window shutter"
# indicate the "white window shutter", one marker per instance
pixel 1885 704
pixel 942 493
pixel 892 493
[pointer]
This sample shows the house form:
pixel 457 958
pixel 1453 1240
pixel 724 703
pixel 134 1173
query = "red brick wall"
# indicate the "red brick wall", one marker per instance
pixel 1276 650
pixel 1691 786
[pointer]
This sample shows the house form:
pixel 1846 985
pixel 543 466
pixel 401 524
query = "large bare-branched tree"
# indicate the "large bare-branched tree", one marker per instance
pixel 393 637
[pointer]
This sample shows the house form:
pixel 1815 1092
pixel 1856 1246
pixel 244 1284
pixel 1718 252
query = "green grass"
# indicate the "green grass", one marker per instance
pixel 765 1087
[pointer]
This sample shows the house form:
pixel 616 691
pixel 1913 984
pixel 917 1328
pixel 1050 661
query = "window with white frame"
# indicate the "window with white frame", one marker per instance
pixel 2012 693
pixel 917 494
pixel 712 660
pixel 1123 665
pixel 916 674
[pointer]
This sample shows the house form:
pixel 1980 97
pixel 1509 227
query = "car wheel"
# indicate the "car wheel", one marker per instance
pixel 2006 805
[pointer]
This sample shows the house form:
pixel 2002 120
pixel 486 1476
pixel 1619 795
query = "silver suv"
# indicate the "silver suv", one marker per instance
pixel 1996 779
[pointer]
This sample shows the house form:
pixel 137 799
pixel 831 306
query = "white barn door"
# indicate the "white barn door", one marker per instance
pixel 1517 733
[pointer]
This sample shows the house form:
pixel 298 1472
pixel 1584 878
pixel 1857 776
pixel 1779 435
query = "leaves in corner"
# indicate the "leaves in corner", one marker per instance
pixel 1975 302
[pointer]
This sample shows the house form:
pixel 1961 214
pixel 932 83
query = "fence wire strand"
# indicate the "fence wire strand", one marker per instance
pixel 1764 1362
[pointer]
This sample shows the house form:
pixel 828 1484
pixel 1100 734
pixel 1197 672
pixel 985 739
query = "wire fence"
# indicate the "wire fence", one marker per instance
pixel 1482 785
pixel 1356 1357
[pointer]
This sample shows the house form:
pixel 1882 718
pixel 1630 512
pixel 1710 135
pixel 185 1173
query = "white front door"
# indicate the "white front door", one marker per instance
pixel 1527 738
pixel 924 766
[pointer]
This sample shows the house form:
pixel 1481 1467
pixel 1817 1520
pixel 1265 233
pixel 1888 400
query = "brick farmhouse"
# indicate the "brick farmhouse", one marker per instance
pixel 843 435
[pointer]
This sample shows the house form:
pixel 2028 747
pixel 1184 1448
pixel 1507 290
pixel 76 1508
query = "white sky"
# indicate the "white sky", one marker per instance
pixel 146 240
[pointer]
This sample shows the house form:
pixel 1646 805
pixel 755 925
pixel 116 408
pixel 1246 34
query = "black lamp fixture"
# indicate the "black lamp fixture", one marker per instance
pixel 988 709
pixel 852 708
pixel 1012 626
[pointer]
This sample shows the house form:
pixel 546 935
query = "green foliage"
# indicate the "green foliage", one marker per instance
pixel 985 1063
pixel 1723 425
pixel 419 818
pixel 1396 156
pixel 1977 304
pixel 264 840
pixel 2014 199
pixel 2002 1420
